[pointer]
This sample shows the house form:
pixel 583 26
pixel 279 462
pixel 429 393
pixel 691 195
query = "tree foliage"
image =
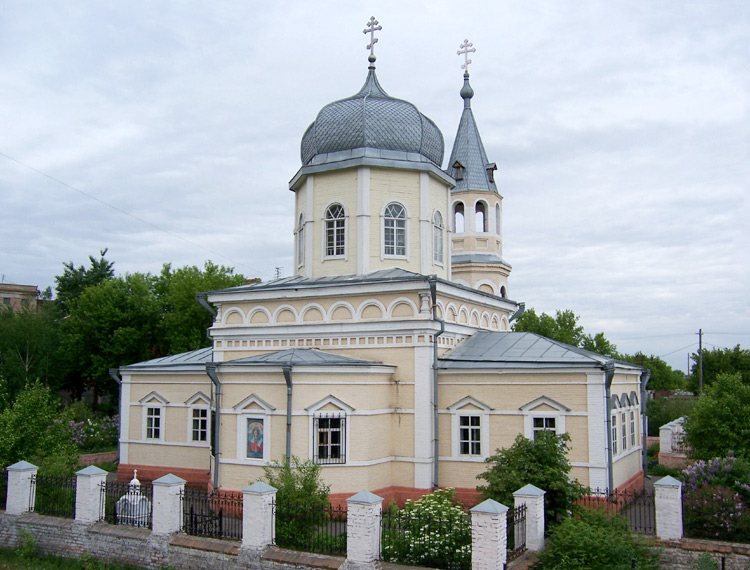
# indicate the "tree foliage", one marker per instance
pixel 663 376
pixel 75 280
pixel 719 422
pixel 720 361
pixel 541 462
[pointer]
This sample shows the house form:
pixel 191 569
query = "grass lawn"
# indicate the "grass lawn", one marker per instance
pixel 22 559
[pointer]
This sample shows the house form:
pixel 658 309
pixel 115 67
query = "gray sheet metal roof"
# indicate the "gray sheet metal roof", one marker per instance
pixel 300 357
pixel 491 258
pixel 372 119
pixel 195 357
pixel 487 349
pixel 469 150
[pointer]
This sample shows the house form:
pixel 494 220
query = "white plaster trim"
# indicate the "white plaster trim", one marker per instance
pixel 241 450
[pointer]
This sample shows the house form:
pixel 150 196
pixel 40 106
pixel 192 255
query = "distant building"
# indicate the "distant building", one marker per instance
pixel 19 297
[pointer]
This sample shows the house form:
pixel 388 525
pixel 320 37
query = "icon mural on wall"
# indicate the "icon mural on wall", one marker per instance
pixel 255 438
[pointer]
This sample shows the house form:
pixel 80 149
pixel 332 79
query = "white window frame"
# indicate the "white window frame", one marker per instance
pixel 253 407
pixel 438 231
pixel 544 419
pixel 624 424
pixel 301 241
pixel 153 401
pixel 614 434
pixel 199 401
pixel 633 430
pixel 532 411
pixel 470 407
pixel 335 231
pixel 396 230
pixel 329 407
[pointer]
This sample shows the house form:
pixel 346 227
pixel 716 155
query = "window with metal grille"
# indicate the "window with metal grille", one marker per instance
pixel 335 224
pixel 394 230
pixel 469 435
pixel 543 424
pixel 153 423
pixel 200 424
pixel 330 439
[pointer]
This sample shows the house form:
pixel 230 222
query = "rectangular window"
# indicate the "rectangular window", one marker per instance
pixel 614 434
pixel 153 423
pixel 254 438
pixel 395 237
pixel 632 429
pixel 543 424
pixel 469 435
pixel 330 439
pixel 200 424
pixel 437 244
pixel 624 428
pixel 6 300
pixel 335 237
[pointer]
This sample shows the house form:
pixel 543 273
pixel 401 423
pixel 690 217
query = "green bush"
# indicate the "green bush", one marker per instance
pixel 595 540
pixel 665 410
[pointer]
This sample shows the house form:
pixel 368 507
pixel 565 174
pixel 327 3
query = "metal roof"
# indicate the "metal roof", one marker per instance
pixel 372 119
pixel 469 150
pixel 487 349
pixel 195 357
pixel 300 357
pixel 491 258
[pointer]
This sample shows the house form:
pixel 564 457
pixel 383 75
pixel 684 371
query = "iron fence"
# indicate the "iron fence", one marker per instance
pixel 417 539
pixel 214 514
pixel 3 487
pixel 637 507
pixel 516 532
pixel 52 495
pixel 126 504
pixel 311 527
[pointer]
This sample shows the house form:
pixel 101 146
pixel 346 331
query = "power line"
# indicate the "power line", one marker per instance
pixel 125 212
pixel 678 350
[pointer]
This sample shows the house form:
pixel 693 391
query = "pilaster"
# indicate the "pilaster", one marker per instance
pixel 258 516
pixel 19 498
pixel 88 493
pixel 167 509
pixel 489 541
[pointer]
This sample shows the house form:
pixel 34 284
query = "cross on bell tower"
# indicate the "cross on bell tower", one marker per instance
pixel 372 26
pixel 465 49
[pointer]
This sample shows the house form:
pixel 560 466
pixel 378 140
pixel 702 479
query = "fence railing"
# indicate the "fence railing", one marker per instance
pixel 516 532
pixel 638 507
pixel 3 487
pixel 415 539
pixel 312 527
pixel 52 495
pixel 212 514
pixel 125 504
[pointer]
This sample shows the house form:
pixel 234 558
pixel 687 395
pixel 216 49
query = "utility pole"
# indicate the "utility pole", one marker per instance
pixel 700 361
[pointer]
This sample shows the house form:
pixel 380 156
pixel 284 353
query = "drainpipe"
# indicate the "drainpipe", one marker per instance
pixel 518 313
pixel 432 280
pixel 609 374
pixel 114 373
pixel 287 369
pixel 201 297
pixel 211 371
pixel 645 377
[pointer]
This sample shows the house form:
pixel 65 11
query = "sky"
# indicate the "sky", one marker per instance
pixel 168 131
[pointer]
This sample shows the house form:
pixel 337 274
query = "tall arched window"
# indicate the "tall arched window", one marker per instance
pixel 301 240
pixel 458 217
pixel 480 210
pixel 437 237
pixel 498 220
pixel 335 225
pixel 394 230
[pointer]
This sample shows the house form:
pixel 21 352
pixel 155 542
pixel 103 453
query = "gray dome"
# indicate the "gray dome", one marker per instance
pixel 372 119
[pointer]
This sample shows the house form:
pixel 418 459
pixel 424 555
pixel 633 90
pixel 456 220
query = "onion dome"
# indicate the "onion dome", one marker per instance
pixel 371 119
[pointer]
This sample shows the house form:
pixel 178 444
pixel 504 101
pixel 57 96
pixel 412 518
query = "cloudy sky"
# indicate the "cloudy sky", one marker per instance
pixel 168 131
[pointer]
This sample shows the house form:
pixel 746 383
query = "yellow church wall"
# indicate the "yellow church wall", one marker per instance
pixel 169 456
pixel 625 466
pixel 335 187
pixel 461 473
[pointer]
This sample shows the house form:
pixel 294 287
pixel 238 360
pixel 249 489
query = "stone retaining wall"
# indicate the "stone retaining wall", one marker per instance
pixel 682 554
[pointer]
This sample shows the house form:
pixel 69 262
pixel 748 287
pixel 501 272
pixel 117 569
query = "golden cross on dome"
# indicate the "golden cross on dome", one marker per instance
pixel 372 27
pixel 465 49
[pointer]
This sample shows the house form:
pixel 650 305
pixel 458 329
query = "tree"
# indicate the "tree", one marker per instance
pixel 719 422
pixel 541 462
pixel 562 327
pixel 184 322
pixel 75 280
pixel 720 361
pixel 663 376
pixel 31 429
pixel 599 344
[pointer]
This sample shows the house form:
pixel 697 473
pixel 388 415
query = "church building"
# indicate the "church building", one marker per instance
pixel 388 356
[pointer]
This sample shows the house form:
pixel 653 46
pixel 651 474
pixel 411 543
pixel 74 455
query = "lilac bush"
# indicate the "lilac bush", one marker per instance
pixel 95 434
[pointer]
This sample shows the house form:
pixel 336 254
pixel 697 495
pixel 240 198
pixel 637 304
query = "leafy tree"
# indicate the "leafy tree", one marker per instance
pixel 28 347
pixel 541 462
pixel 664 410
pixel 719 422
pixel 595 540
pixel 720 361
pixel 75 280
pixel 599 344
pixel 31 429
pixel 663 376
pixel 184 323
pixel 562 327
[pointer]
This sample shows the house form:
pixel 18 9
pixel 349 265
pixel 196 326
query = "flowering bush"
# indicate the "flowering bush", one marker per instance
pixel 716 499
pixel 432 532
pixel 95 434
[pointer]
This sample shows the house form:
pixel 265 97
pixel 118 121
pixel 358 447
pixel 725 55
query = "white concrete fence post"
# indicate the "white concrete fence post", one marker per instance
pixel 364 511
pixel 489 540
pixel 167 504
pixel 258 516
pixel 668 502
pixel 88 493
pixel 533 498
pixel 19 487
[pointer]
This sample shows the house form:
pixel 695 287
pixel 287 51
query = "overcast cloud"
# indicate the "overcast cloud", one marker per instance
pixel 620 130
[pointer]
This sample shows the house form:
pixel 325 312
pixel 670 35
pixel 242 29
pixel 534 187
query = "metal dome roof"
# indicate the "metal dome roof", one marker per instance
pixel 372 119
